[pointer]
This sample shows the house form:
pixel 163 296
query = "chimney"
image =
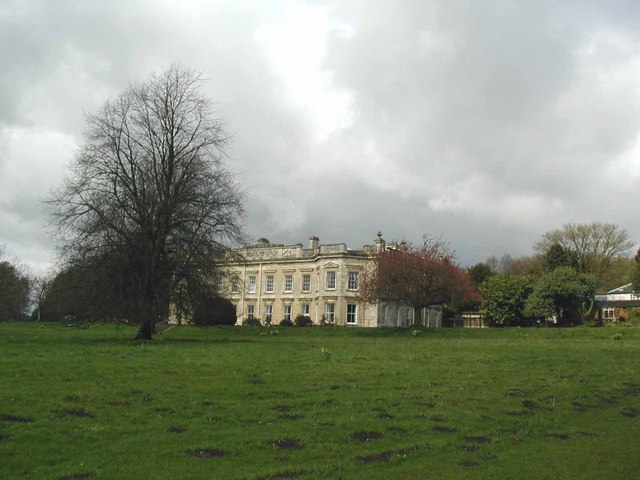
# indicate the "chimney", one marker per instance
pixel 313 243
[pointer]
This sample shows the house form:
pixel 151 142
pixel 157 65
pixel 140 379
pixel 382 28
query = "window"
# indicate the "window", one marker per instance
pixel 268 313
pixel 251 285
pixel 251 311
pixel 234 285
pixel 331 280
pixel 287 312
pixel 305 309
pixel 306 282
pixel 219 284
pixel 354 280
pixel 269 284
pixel 352 313
pixel 330 312
pixel 409 316
pixel 288 283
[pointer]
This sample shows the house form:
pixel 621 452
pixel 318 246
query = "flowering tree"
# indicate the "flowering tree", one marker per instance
pixel 418 276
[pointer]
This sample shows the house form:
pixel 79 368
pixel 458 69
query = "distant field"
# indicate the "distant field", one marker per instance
pixel 247 403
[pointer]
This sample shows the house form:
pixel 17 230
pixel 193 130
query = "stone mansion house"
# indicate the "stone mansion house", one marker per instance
pixel 275 282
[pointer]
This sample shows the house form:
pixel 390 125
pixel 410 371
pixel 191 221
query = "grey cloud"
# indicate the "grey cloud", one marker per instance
pixel 485 122
pixel 497 90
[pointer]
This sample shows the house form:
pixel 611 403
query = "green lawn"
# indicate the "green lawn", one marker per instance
pixel 239 402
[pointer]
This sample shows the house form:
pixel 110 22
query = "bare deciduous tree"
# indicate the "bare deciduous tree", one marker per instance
pixel 509 265
pixel 40 287
pixel 596 245
pixel 148 203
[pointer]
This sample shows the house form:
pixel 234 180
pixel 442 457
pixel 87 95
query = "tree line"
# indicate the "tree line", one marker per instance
pixel 557 283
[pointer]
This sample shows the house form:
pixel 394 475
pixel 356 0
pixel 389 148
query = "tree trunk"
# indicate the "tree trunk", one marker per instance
pixel 147 328
pixel 417 317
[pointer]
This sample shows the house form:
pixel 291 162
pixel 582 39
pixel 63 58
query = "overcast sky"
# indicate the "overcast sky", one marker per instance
pixel 486 123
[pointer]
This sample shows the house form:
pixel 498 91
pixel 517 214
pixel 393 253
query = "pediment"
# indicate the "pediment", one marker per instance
pixel 330 265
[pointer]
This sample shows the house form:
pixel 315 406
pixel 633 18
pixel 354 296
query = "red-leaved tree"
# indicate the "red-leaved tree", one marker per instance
pixel 418 276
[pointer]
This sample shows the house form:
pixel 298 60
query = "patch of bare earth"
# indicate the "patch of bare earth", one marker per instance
pixel 287 444
pixel 164 410
pixel 206 453
pixel 289 416
pixel 477 439
pixel 579 407
pixel 366 436
pixel 7 417
pixel 176 429
pixel 285 475
pixel 78 412
pixel 514 392
pixel 444 429
pixel 385 456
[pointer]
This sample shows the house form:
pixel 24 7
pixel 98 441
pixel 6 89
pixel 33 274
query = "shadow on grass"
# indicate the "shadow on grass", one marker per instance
pixel 180 341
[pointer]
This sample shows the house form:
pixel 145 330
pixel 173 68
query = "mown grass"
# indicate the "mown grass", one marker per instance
pixel 245 403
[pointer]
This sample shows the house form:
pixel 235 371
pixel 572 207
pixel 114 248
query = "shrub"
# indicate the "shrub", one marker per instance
pixel 633 318
pixel 214 311
pixel 303 321
pixel 251 322
pixel 324 322
pixel 286 323
pixel 504 299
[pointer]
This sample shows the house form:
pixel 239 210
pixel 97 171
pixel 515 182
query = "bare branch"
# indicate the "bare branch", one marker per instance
pixel 147 201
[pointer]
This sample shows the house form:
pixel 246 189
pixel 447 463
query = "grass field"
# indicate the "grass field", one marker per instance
pixel 249 403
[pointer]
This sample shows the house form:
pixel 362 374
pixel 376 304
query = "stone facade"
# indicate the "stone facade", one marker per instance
pixel 275 282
